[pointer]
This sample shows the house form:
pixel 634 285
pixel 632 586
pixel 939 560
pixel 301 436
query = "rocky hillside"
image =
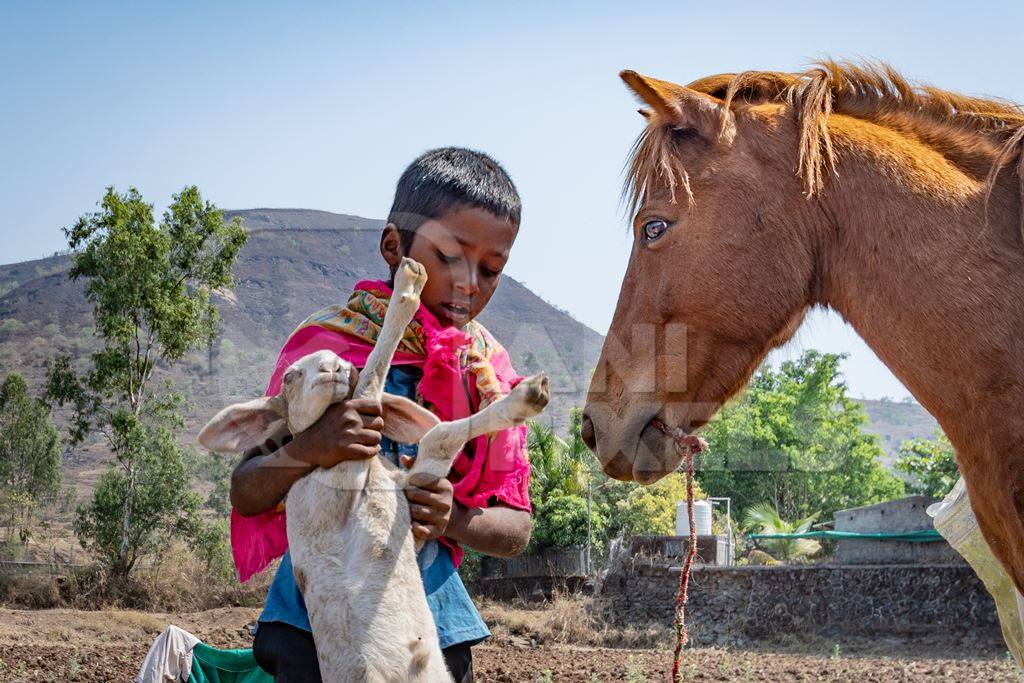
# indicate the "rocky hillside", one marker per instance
pixel 295 262
pixel 897 421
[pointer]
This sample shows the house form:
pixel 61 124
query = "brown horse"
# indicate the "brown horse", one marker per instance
pixel 759 195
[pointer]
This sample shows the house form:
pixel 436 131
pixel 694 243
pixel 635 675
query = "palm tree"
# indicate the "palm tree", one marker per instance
pixel 765 519
pixel 558 466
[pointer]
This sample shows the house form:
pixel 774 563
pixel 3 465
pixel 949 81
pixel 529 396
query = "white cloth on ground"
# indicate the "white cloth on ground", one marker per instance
pixel 170 657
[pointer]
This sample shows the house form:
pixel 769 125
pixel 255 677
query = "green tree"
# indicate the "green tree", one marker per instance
pixel 930 465
pixel 214 469
pixel 633 509
pixel 559 483
pixel 30 450
pixel 163 505
pixel 765 519
pixel 565 476
pixel 150 286
pixel 557 466
pixel 794 439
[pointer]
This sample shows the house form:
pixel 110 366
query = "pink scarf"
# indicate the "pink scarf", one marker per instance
pixel 499 470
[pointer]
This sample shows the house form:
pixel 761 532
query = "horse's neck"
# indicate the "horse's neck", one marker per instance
pixel 937 295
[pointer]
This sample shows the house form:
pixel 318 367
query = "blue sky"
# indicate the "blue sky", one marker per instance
pixel 267 104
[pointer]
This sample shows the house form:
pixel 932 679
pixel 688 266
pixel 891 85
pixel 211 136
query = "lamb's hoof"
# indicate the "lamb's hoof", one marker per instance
pixel 535 392
pixel 410 276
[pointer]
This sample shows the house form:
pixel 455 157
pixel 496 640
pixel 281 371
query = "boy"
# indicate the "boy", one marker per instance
pixel 457 212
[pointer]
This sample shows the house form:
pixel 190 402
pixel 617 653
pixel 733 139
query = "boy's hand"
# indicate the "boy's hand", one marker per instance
pixel 430 505
pixel 349 430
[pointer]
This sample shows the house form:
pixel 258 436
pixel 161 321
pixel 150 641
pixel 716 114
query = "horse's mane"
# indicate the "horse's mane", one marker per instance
pixel 959 126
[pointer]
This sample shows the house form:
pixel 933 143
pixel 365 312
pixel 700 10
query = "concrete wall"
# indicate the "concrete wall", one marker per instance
pixel 904 514
pixel 710 549
pixel 741 604
pixel 550 563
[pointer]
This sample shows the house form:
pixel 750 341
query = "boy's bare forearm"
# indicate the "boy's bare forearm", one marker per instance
pixel 349 430
pixel 262 480
pixel 499 531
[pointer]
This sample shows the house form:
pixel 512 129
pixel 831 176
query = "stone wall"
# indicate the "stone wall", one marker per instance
pixel 732 605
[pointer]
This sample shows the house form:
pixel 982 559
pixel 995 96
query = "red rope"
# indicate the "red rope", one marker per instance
pixel 688 445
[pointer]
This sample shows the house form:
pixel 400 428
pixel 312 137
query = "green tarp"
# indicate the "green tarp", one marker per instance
pixel 922 536
pixel 210 665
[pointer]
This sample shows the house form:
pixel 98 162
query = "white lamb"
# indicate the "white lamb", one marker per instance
pixel 353 553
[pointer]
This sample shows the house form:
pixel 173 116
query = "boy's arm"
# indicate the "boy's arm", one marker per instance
pixel 499 530
pixel 349 430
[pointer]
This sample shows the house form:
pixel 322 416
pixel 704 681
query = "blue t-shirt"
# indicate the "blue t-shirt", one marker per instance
pixel 455 615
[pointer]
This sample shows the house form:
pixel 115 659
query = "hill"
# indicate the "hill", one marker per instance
pixel 896 421
pixel 295 262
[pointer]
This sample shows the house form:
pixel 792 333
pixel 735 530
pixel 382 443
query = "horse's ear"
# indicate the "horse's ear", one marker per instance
pixel 682 107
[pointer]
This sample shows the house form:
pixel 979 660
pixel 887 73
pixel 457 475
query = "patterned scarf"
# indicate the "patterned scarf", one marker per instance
pixel 499 470
pixel 363 317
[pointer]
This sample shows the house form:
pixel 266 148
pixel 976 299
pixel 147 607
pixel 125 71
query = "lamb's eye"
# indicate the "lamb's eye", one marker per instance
pixel 292 375
pixel 654 228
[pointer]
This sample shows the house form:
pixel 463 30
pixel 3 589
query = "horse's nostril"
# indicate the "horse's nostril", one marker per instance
pixel 588 433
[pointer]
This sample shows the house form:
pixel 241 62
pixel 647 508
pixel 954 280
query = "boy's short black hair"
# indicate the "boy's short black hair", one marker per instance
pixel 448 178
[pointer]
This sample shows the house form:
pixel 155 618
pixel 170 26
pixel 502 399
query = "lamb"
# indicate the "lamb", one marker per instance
pixel 353 554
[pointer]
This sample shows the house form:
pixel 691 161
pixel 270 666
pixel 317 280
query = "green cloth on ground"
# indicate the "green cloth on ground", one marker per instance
pixel 210 665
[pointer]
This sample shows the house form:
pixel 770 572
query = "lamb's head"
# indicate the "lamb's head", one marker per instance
pixel 314 382
pixel 308 386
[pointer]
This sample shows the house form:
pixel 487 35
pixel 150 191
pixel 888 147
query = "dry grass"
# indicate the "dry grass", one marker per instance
pixel 186 586
pixel 568 620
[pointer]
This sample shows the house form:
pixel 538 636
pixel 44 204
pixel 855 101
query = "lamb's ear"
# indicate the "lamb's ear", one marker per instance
pixel 683 107
pixel 404 420
pixel 244 425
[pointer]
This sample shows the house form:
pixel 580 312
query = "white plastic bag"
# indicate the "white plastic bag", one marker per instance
pixel 955 520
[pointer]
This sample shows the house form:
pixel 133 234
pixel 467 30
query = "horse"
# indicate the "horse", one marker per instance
pixel 760 195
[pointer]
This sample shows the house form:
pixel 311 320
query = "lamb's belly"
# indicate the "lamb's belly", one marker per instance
pixel 355 562
pixel 371 618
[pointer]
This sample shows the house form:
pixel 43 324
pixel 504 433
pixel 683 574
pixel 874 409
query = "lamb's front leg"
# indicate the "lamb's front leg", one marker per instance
pixel 439 446
pixel 405 301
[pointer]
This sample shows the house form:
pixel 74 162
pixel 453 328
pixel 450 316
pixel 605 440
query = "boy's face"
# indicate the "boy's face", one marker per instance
pixel 464 252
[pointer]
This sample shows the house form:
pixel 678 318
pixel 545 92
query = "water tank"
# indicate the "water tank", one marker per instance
pixel 701 517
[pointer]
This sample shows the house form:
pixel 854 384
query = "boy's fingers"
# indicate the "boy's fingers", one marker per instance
pixel 422 513
pixel 362 452
pixel 367 437
pixel 375 423
pixel 421 531
pixel 366 406
pixel 418 495
pixel 407 461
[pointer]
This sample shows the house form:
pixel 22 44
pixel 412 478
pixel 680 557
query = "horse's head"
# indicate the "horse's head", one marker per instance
pixel 722 267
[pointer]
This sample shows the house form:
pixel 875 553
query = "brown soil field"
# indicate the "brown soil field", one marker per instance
pixel 109 645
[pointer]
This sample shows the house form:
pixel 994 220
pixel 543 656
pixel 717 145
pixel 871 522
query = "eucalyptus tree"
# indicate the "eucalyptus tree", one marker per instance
pixel 150 285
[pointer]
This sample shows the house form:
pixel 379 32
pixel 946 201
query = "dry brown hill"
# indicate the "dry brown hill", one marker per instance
pixel 295 262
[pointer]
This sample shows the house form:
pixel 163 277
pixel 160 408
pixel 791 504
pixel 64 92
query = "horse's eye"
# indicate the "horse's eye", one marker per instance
pixel 654 228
